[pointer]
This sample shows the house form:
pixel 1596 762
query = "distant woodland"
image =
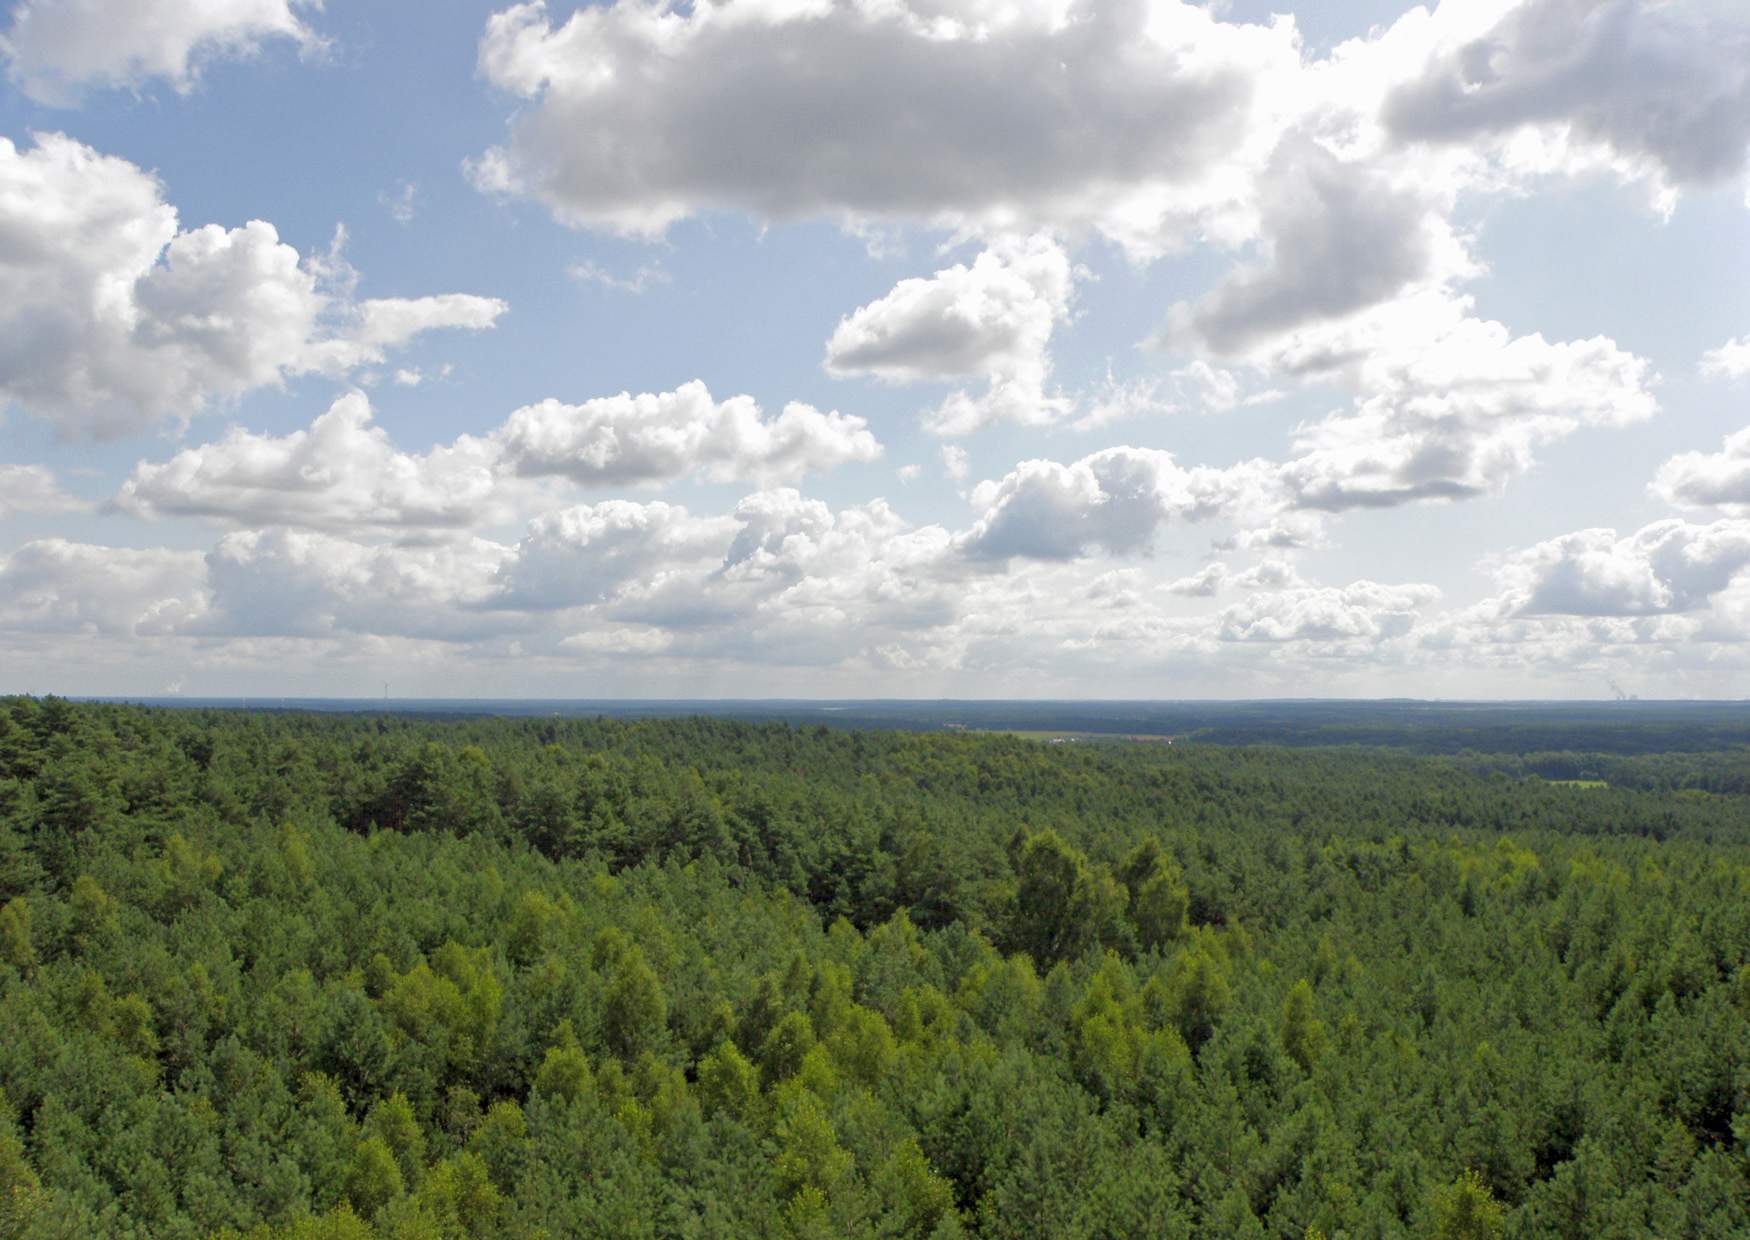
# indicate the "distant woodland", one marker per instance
pixel 286 975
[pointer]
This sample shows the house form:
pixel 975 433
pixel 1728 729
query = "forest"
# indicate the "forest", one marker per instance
pixel 305 976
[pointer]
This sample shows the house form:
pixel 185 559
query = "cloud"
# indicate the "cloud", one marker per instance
pixel 301 583
pixel 1709 479
pixel 991 320
pixel 254 584
pixel 1210 389
pixel 801 584
pixel 1195 387
pixel 1205 583
pixel 58 49
pixel 645 278
pixel 1270 575
pixel 1336 237
pixel 1730 361
pixel 1361 611
pixel 1667 567
pixel 402 204
pixel 111 318
pixel 619 640
pixel 589 553
pixel 1115 501
pixel 628 439
pixel 344 473
pixel 1656 89
pixel 784 583
pixel 961 322
pixel 341 473
pixel 1162 125
pixel 69 589
pixel 32 489
pixel 384 323
pixel 1325 191
pixel 1127 118
pixel 1336 179
pixel 822 570
pixel 1448 406
pixel 1115 400
pixel 1288 530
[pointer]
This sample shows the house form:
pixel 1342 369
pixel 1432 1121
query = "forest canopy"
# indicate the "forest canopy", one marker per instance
pixel 294 975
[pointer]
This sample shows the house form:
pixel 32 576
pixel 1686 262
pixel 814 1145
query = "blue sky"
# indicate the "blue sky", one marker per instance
pixel 945 347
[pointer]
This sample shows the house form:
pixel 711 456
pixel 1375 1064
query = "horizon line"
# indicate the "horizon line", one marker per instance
pixel 894 701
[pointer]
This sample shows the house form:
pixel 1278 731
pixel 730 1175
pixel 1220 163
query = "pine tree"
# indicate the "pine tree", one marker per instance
pixel 1303 1034
pixel 634 1009
pixel 1466 1210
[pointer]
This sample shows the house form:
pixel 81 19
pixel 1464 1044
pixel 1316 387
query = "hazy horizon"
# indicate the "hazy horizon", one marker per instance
pixel 392 699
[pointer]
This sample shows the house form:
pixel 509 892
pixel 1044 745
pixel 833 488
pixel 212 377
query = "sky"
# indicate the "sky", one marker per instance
pixel 856 348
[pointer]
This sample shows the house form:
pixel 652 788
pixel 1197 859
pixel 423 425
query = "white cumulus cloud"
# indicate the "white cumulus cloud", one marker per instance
pixel 1130 118
pixel 1669 566
pixel 66 589
pixel 992 320
pixel 587 554
pixel 32 489
pixel 304 583
pixel 1114 501
pixel 58 49
pixel 1448 406
pixel 1205 583
pixel 657 437
pixel 1730 361
pixel 1709 479
pixel 112 318
pixel 1361 611
pixel 344 473
pixel 340 473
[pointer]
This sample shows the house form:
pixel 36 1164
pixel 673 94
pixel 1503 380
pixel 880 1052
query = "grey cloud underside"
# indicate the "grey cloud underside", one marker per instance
pixel 1338 238
pixel 1665 568
pixel 1121 502
pixel 1669 83
pixel 948 348
pixel 1709 479
pixel 1112 502
pixel 1450 407
pixel 860 110
pixel 993 319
